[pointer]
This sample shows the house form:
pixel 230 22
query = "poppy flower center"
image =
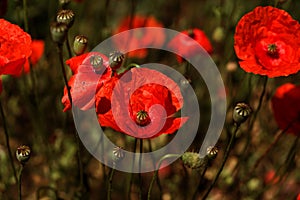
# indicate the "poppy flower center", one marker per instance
pixel 272 50
pixel 142 118
pixel 191 33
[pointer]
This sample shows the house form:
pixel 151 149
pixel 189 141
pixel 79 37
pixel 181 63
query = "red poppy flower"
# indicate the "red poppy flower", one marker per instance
pixel 15 48
pixel 183 45
pixel 267 42
pixel 140 37
pixel 286 107
pixel 87 79
pixel 135 112
pixel 298 197
pixel 271 178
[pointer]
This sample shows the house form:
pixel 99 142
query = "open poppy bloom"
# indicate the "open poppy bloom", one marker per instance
pixel 267 42
pixel 183 45
pixel 15 48
pixel 286 108
pixel 139 37
pixel 139 104
pixel 90 71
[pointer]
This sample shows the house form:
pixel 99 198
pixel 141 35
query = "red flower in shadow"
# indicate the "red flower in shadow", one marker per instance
pixel 37 47
pixel 138 104
pixel 15 48
pixel 286 108
pixel 267 42
pixel 183 45
pixel 139 37
pixel 86 80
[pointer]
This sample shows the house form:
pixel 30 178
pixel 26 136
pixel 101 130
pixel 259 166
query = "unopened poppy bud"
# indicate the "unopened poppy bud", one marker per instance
pixel 212 152
pixel 142 118
pixel 118 154
pixel 241 113
pixel 97 63
pixel 23 154
pixel 66 17
pixel 116 59
pixel 193 160
pixel 80 44
pixel 58 32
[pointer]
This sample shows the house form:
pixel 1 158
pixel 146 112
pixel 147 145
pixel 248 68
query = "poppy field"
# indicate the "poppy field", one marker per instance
pixel 170 100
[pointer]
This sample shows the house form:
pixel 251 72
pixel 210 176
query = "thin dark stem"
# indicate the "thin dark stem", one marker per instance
pixel 155 176
pixel 79 162
pixel 200 182
pixel 109 188
pixel 20 182
pixel 228 149
pixel 68 45
pixel 131 175
pixel 140 167
pixel 7 142
pixel 25 16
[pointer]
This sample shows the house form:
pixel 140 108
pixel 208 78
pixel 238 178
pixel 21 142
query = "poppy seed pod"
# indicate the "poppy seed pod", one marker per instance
pixel 66 16
pixel 241 113
pixel 115 59
pixel 193 160
pixel 80 44
pixel 58 32
pixel 212 152
pixel 97 63
pixel 118 154
pixel 23 154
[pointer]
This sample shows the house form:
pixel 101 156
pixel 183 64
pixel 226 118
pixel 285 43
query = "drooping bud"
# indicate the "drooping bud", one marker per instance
pixel 65 16
pixel 23 154
pixel 116 59
pixel 58 32
pixel 193 160
pixel 97 63
pixel 241 113
pixel 80 44
pixel 142 118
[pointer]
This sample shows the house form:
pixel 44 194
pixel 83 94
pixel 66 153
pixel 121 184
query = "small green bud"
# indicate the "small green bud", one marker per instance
pixel 241 112
pixel 80 44
pixel 193 160
pixel 65 16
pixel 23 154
pixel 58 32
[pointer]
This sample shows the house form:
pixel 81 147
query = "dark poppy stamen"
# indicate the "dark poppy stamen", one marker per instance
pixel 191 33
pixel 142 118
pixel 272 50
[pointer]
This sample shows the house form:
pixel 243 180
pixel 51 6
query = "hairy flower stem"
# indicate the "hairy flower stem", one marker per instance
pixel 26 27
pixel 226 155
pixel 7 141
pixel 20 181
pixel 155 176
pixel 79 162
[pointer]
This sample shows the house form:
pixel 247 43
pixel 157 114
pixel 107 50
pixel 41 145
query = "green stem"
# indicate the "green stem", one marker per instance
pixel 109 188
pixel 7 141
pixel 131 175
pixel 68 45
pixel 25 16
pixel 228 149
pixel 155 176
pixel 200 182
pixel 20 182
